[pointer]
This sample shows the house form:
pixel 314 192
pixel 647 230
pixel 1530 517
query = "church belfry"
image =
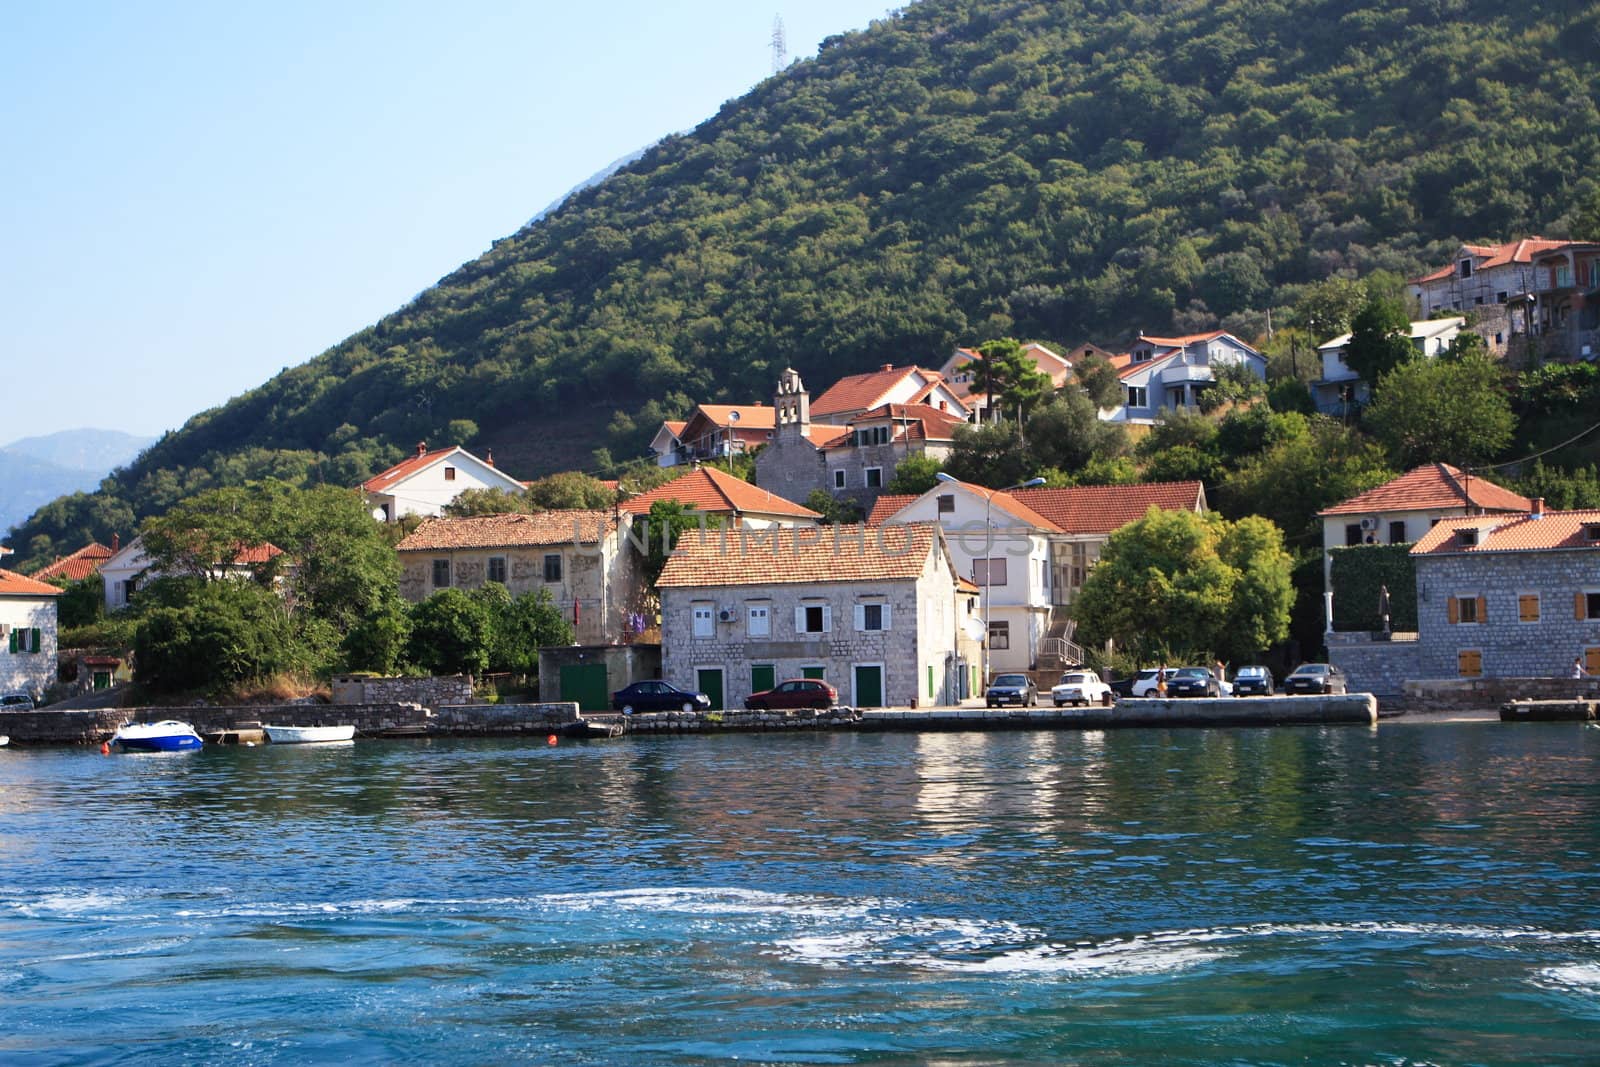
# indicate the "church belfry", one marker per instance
pixel 791 403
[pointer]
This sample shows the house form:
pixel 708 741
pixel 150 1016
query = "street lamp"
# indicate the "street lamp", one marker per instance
pixel 988 562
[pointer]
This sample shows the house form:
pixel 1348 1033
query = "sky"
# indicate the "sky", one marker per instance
pixel 199 195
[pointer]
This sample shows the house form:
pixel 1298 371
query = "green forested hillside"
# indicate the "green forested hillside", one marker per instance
pixel 1072 170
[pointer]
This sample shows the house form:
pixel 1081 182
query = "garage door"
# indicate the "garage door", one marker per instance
pixel 585 683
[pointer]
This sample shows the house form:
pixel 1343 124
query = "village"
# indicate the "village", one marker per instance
pixel 925 597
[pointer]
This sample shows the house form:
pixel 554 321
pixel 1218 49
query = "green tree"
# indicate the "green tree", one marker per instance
pixel 1099 381
pixel 1562 490
pixel 833 510
pixel 1299 474
pixel 1177 585
pixel 452 632
pixel 991 454
pixel 665 525
pixel 1328 308
pixel 1008 377
pixel 1068 433
pixel 569 490
pixel 1380 339
pixel 81 603
pixel 1433 410
pixel 200 635
pixel 488 502
pixel 914 475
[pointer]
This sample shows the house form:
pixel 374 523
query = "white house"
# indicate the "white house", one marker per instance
pixel 877 613
pixel 859 393
pixel 1340 386
pixel 1166 373
pixel 129 568
pixel 427 481
pixel 27 634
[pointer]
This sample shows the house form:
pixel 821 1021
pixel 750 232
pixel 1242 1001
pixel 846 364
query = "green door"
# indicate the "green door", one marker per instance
pixel 869 687
pixel 763 677
pixel 709 681
pixel 585 683
pixel 812 672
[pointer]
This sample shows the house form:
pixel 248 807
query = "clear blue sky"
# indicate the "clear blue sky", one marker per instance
pixel 197 195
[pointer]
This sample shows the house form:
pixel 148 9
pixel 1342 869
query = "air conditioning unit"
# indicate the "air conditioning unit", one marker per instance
pixel 1369 523
pixel 725 615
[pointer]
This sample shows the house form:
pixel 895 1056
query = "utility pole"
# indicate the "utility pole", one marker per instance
pixel 780 45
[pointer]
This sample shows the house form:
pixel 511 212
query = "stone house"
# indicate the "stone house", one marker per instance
pixel 875 612
pixel 713 492
pixel 427 481
pixel 1509 595
pixel 858 393
pixel 1565 313
pixel 1167 373
pixel 27 634
pixel 1340 389
pixel 1030 620
pixel 1493 283
pixel 582 558
pixel 1402 511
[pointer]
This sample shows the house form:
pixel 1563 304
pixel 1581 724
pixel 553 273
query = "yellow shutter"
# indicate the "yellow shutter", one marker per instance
pixel 1528 607
pixel 1577 605
pixel 1453 610
pixel 1591 660
pixel 1483 609
pixel 1469 663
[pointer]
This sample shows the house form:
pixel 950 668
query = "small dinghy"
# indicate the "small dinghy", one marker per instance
pixel 309 735
pixel 168 735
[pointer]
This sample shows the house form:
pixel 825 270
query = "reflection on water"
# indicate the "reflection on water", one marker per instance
pixel 1239 896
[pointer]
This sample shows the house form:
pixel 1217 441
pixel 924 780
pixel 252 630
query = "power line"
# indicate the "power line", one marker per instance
pixel 1526 459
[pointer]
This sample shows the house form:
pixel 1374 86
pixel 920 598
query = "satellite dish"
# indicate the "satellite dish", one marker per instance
pixel 380 514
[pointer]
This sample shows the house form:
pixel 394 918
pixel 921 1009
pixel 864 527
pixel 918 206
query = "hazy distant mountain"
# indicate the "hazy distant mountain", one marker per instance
pixel 36 470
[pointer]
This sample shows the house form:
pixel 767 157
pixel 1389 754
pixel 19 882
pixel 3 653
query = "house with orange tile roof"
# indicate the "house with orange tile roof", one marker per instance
pixel 1509 595
pixel 874 612
pixel 854 461
pixel 1166 373
pixel 27 634
pixel 423 483
pixel 130 568
pixel 84 563
pixel 1341 391
pixel 1403 510
pixel 851 396
pixel 1564 316
pixel 717 431
pixel 1073 525
pixel 960 371
pixel 714 492
pixel 581 558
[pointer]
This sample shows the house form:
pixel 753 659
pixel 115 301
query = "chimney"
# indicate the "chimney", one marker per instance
pixel 887 366
pixel 1537 510
pixel 488 457
pixel 116 542
pixel 422 448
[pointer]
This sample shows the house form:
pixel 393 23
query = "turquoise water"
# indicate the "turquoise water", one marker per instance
pixel 1413 894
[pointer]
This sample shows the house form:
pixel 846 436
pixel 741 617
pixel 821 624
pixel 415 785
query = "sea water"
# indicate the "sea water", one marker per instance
pixel 1410 894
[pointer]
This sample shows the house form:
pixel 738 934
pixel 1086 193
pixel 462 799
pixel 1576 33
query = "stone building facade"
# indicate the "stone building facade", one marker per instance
pixel 1509 596
pixel 873 611
pixel 582 558
pixel 27 634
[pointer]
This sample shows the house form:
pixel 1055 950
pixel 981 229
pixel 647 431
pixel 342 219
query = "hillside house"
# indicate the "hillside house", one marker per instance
pixel 1166 373
pixel 1495 283
pixel 426 482
pixel 875 612
pixel 713 492
pixel 581 558
pixel 1509 595
pixel 1565 315
pixel 27 635
pixel 1341 390
pixel 130 568
pixel 84 563
pixel 859 393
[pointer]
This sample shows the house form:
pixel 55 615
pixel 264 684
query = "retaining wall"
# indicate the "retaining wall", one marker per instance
pixel 1483 694
pixel 1353 708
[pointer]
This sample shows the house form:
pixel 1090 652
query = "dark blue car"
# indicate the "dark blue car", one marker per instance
pixel 657 696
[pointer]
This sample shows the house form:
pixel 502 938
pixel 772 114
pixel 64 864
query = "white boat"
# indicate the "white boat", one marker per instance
pixel 5 740
pixel 168 735
pixel 309 735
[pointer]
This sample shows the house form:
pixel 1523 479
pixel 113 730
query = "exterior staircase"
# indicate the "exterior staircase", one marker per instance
pixel 1057 650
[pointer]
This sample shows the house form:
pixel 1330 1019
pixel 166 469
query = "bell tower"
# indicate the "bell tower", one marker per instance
pixel 791 404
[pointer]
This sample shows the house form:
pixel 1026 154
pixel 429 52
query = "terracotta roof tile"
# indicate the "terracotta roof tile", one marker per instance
pixel 886 506
pixel 1554 530
pixel 510 531
pixel 407 467
pixel 708 489
pixel 1102 509
pixel 801 555
pixel 84 563
pixel 1519 251
pixel 859 392
pixel 253 554
pixel 14 584
pixel 1184 341
pixel 1429 487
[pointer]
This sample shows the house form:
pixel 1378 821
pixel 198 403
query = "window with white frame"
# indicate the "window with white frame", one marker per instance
pixel 758 619
pixel 1138 396
pixel 985 569
pixel 705 619
pixel 872 477
pixel 813 619
pixel 999 635
pixel 872 615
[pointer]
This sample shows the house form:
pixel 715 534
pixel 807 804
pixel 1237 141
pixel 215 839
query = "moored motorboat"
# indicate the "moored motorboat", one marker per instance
pixel 5 740
pixel 309 735
pixel 168 735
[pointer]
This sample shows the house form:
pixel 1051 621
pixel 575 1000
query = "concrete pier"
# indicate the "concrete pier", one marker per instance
pixel 1353 709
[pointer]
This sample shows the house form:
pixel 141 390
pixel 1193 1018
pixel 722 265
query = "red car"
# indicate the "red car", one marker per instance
pixel 795 693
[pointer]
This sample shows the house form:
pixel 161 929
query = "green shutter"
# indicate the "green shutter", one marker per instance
pixel 35 647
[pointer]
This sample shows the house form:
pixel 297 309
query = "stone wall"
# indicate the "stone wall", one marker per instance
pixel 430 692
pixel 700 722
pixel 791 466
pixel 624 665
pixel 1509 648
pixel 1484 694
pixel 1372 664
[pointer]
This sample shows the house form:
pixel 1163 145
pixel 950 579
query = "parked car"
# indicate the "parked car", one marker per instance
pixel 16 702
pixel 1253 681
pixel 1081 687
pixel 1144 683
pixel 794 693
pixel 657 696
pixel 1194 682
pixel 1015 689
pixel 1123 687
pixel 1316 678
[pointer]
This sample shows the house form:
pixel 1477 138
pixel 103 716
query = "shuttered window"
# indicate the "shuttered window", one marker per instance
pixel 1528 607
pixel 1469 663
